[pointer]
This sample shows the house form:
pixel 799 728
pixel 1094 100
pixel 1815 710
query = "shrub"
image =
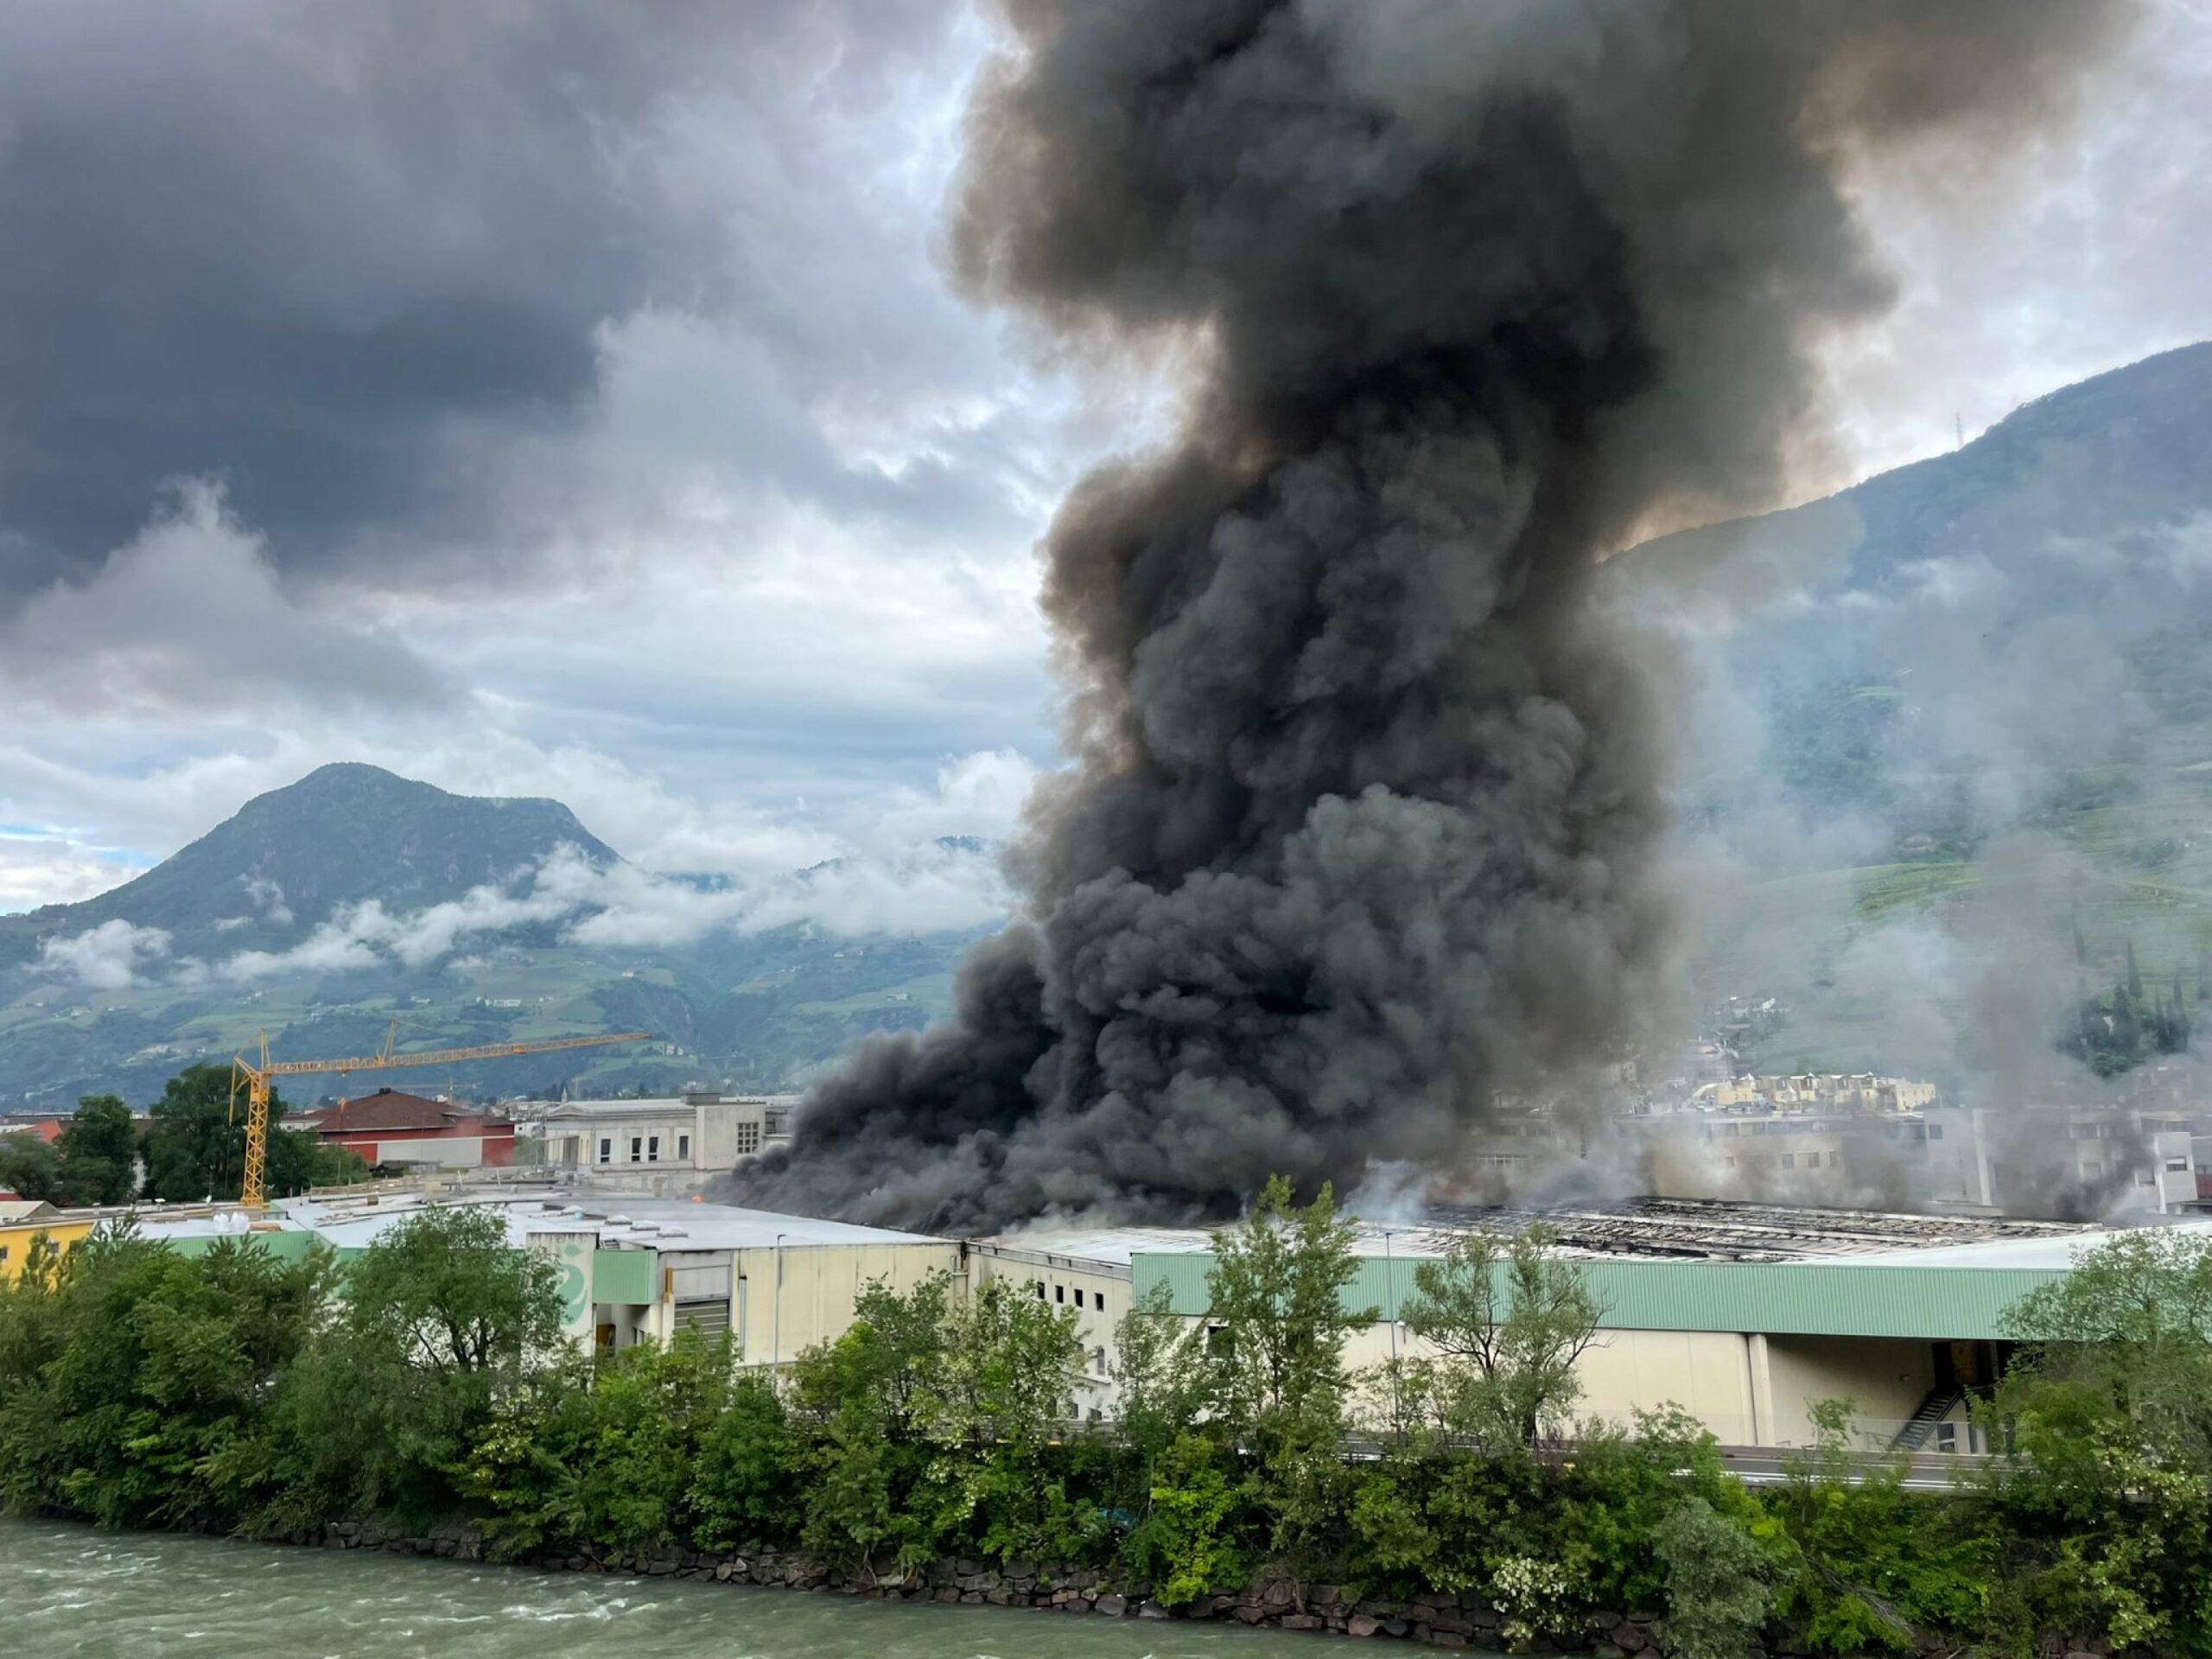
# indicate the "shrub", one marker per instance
pixel 1717 1594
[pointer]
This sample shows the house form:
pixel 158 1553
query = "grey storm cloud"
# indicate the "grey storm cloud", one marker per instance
pixel 345 256
pixel 1365 826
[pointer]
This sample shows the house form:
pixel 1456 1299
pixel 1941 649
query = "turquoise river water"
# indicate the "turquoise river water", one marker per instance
pixel 66 1589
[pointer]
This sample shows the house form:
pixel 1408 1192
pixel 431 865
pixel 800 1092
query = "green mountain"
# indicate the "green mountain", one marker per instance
pixel 1988 667
pixel 344 834
pixel 309 915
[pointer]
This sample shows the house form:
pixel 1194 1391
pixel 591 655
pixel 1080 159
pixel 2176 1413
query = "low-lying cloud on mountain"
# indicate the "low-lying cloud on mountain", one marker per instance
pixel 951 886
pixel 321 910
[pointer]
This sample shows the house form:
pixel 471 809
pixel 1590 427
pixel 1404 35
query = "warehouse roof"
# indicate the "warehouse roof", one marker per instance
pixel 1672 1228
pixel 667 1224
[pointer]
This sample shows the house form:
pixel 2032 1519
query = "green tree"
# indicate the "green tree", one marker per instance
pixel 1158 1370
pixel 1865 1565
pixel 1280 1383
pixel 1717 1594
pixel 135 1381
pixel 996 1401
pixel 196 1146
pixel 99 1149
pixel 860 1401
pixel 32 1168
pixel 2108 1410
pixel 744 1484
pixel 1276 1292
pixel 441 1319
pixel 1194 1537
pixel 1509 1318
pixel 2130 1326
pixel 601 1457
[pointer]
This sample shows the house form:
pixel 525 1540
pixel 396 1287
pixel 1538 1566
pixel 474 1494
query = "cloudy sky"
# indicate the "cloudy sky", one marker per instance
pixel 566 399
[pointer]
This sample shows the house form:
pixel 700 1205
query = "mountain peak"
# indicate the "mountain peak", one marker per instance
pixel 346 834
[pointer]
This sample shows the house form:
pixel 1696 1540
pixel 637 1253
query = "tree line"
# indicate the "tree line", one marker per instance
pixel 192 1148
pixel 428 1380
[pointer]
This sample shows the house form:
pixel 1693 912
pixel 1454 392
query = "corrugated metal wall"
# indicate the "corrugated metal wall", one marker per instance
pixel 1782 1298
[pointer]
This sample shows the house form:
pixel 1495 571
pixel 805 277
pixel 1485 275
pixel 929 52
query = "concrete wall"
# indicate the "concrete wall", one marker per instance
pixel 820 1285
pixel 1746 1388
pixel 1709 1373
pixel 1885 1378
pixel 1098 1292
pixel 445 1151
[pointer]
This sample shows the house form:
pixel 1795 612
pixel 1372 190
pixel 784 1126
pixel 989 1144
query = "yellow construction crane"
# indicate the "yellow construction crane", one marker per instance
pixel 254 1080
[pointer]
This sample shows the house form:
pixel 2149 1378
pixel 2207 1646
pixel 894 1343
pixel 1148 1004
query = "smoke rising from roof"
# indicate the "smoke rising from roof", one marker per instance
pixel 1364 827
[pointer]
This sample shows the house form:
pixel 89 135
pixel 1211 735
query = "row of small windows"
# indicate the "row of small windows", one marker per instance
pixel 1788 1160
pixel 645 1149
pixel 1060 1294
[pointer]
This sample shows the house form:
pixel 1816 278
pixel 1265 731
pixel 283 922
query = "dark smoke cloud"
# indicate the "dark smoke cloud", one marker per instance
pixel 1362 828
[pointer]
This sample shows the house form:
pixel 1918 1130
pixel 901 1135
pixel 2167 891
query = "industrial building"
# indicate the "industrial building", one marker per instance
pixel 1745 1315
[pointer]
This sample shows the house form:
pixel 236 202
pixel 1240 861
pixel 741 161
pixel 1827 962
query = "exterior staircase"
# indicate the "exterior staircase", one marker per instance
pixel 1913 1436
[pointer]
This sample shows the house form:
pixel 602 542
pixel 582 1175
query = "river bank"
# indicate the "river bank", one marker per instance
pixel 1465 1622
pixel 70 1589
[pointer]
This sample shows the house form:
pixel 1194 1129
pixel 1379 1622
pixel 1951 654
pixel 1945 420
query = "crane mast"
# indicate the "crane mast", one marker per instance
pixel 254 1077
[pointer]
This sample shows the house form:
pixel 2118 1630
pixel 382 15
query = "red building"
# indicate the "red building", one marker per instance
pixel 392 1127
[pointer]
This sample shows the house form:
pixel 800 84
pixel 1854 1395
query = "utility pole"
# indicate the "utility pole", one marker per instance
pixel 1390 1285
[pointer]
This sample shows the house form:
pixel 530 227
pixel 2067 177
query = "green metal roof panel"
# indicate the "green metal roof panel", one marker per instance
pixel 284 1246
pixel 1778 1298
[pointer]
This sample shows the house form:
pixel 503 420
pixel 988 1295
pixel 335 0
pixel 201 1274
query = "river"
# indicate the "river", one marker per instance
pixel 66 1589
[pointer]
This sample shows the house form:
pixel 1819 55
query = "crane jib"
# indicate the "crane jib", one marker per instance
pixel 257 1077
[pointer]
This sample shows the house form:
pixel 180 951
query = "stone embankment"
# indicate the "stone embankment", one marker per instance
pixel 1441 1621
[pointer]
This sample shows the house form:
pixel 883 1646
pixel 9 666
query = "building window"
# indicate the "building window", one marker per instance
pixel 748 1138
pixel 652 1149
pixel 1789 1160
pixel 637 1149
pixel 1039 1286
pixel 606 1148
pixel 1100 1298
pixel 682 1148
pixel 1061 1294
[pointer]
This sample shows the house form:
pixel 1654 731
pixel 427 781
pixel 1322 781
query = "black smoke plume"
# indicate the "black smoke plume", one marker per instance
pixel 1363 828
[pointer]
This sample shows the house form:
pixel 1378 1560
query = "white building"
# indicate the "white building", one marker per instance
pixel 2018 1158
pixel 662 1145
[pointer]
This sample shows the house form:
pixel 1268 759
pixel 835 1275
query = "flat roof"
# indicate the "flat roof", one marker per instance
pixel 654 1105
pixel 680 1224
pixel 1634 1228
pixel 651 1223
pixel 2053 1253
